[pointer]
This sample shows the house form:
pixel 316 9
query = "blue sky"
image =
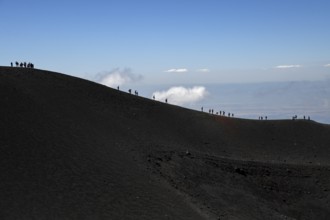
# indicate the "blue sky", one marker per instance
pixel 234 40
pixel 172 42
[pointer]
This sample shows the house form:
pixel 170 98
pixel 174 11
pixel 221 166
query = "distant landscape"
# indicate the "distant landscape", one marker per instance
pixel 276 100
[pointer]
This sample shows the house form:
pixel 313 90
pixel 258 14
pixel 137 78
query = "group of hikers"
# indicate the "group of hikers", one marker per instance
pixel 223 113
pixel 130 92
pixel 296 117
pixel 137 93
pixel 22 64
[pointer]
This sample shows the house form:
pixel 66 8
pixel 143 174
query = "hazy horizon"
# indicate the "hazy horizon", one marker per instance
pixel 276 100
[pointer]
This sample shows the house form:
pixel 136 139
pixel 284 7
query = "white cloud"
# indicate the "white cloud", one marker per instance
pixel 182 70
pixel 117 77
pixel 287 66
pixel 181 95
pixel 327 65
pixel 203 70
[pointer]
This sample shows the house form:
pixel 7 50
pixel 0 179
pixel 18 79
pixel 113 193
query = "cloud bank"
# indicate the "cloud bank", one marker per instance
pixel 287 66
pixel 118 77
pixel 327 65
pixel 181 95
pixel 182 70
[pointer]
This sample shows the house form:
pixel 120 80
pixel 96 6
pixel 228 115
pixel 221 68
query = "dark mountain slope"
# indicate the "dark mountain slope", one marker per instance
pixel 70 148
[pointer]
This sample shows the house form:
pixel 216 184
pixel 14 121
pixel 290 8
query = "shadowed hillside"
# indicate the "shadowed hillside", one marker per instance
pixel 74 149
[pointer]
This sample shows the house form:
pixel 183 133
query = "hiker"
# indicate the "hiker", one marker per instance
pixel 153 97
pixel 202 108
pixel 266 117
pixel 224 113
pixel 17 64
pixel 118 88
pixel 11 64
pixel 24 64
pixel 166 100
pixel 130 91
pixel 228 114
pixel 232 115
pixel 309 118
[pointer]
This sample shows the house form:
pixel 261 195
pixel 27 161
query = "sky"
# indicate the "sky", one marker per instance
pixel 171 42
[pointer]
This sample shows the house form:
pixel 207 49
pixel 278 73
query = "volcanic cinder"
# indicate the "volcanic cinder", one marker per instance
pixel 74 149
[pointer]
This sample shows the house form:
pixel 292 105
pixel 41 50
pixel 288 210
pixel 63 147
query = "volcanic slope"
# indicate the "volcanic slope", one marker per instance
pixel 74 149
